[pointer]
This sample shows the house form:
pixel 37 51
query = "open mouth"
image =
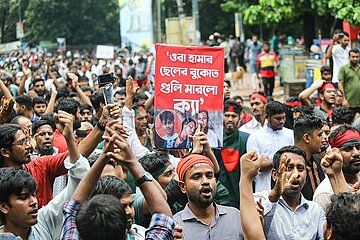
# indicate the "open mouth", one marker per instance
pixel 206 192
pixel 34 213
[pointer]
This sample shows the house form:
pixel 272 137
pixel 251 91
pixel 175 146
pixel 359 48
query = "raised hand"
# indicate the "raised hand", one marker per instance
pixel 110 112
pixel 250 165
pixel 332 162
pixel 25 68
pixel 64 123
pixel 282 181
pixel 75 80
pixel 131 90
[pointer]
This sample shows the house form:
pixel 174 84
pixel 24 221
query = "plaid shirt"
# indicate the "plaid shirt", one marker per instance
pixel 161 227
pixel 69 231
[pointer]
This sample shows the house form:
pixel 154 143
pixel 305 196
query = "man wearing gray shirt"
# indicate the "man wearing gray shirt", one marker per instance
pixel 202 218
pixel 287 214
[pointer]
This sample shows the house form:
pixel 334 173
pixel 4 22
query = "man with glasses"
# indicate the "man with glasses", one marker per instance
pixel 347 140
pixel 15 151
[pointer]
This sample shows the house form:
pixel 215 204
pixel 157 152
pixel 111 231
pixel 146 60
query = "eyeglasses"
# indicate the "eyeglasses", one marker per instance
pixel 22 142
pixel 350 148
pixel 44 133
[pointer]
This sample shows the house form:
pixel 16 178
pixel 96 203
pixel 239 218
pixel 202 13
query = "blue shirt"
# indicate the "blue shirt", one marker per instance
pixel 281 222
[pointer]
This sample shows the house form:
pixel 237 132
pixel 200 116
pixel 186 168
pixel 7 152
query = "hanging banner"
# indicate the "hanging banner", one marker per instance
pixel 189 85
pixel 136 25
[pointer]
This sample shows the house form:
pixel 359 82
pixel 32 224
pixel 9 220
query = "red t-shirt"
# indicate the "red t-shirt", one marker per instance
pixel 59 141
pixel 45 169
pixel 266 62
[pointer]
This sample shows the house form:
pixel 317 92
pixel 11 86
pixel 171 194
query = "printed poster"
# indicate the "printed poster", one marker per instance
pixel 189 85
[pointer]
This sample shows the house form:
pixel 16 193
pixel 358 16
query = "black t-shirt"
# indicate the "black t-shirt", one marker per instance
pixel 307 190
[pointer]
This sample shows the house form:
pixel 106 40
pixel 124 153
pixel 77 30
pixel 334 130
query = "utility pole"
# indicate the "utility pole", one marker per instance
pixel 195 13
pixel 181 13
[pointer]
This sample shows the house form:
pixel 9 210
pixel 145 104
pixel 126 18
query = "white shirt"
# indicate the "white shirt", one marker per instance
pixel 252 126
pixel 340 58
pixel 266 142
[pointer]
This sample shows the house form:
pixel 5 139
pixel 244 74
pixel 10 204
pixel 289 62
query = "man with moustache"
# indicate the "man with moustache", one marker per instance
pixel 347 140
pixel 287 214
pixel 141 125
pixel 234 146
pixel 308 136
pixel 258 102
pixel 43 132
pixel 327 97
pixel 349 81
pixel 267 140
pixel 325 140
pixel 202 218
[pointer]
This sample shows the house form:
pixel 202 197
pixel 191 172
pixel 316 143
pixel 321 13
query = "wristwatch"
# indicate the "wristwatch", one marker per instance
pixel 147 177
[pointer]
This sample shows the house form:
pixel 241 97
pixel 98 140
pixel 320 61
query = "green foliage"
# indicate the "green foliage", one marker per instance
pixel 80 22
pixel 348 10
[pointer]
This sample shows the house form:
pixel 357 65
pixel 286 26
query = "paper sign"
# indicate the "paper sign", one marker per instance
pixel 189 84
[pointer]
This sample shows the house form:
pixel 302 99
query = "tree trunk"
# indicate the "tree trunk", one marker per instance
pixel 308 29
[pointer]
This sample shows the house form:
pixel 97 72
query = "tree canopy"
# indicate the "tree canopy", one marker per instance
pixel 80 22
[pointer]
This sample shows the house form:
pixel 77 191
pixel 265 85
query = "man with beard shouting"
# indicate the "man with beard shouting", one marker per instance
pixel 202 218
pixel 347 140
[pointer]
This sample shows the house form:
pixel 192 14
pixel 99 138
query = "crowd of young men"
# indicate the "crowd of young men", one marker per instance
pixel 73 167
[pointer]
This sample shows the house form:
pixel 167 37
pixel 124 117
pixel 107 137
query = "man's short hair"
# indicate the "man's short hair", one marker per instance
pixel 343 216
pixel 286 149
pixel 102 217
pixel 340 130
pixel 87 88
pixel 138 96
pixel 13 182
pixel 274 107
pixel 234 106
pixel 42 122
pixel 238 97
pixel 120 92
pixel 7 136
pixel 24 100
pixel 37 80
pixel 325 69
pixel 68 105
pixel 354 50
pixel 62 92
pixel 39 100
pixel 96 99
pixel 306 124
pixel 112 185
pixel 167 115
pixel 153 162
pixel 342 115
pixel 85 106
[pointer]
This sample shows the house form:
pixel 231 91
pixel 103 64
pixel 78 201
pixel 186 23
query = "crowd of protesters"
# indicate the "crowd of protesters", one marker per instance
pixel 74 167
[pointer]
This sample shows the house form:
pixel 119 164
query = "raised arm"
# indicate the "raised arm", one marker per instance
pixel 27 74
pixel 202 146
pixel 64 122
pixel 332 164
pixel 51 104
pixel 76 87
pixel 5 91
pixel 49 73
pixel 87 185
pixel 304 95
pixel 250 221
pixel 155 201
pixel 87 146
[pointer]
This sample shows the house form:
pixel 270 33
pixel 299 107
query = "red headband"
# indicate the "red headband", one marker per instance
pixel 293 104
pixel 189 161
pixel 143 81
pixel 326 86
pixel 347 136
pixel 261 97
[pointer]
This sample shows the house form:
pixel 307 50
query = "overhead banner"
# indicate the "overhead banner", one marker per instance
pixel 189 85
pixel 136 25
